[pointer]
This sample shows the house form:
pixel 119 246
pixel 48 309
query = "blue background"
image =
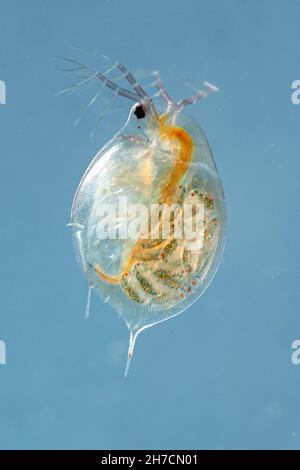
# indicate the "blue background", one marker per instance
pixel 220 375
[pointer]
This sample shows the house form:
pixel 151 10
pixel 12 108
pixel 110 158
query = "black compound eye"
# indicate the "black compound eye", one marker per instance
pixel 139 112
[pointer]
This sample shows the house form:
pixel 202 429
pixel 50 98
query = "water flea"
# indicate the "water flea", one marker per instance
pixel 140 269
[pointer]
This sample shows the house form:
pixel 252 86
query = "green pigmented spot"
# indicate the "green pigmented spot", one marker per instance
pixel 181 196
pixel 207 200
pixel 144 283
pixel 129 291
pixel 187 260
pixel 167 278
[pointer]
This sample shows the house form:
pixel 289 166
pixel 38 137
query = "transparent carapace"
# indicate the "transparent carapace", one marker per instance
pixel 158 164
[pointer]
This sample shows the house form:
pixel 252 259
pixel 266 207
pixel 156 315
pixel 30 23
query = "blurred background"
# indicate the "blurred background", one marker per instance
pixel 220 375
